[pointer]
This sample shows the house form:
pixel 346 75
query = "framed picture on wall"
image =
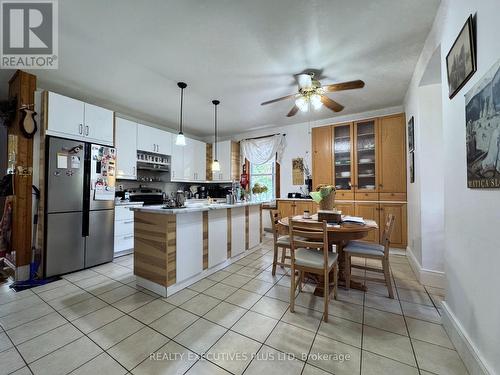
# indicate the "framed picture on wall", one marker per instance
pixel 482 124
pixel 412 167
pixel 461 60
pixel 411 135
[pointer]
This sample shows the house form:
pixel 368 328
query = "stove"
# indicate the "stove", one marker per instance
pixel 149 196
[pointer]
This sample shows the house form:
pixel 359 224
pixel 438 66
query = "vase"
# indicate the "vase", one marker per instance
pixel 328 203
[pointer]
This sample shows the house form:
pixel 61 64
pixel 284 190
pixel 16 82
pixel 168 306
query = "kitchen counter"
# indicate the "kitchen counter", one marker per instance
pixel 176 247
pixel 193 207
pixel 128 203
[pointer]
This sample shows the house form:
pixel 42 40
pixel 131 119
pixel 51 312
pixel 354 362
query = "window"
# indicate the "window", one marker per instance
pixel 264 174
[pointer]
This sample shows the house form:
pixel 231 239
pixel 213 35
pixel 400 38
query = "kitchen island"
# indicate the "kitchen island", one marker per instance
pixel 176 247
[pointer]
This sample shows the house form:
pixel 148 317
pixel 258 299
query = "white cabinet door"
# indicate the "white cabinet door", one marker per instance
pixel 200 161
pixel 224 157
pixel 126 149
pixel 238 234
pixel 163 141
pixel 154 140
pixel 146 138
pixel 189 245
pixel 98 124
pixel 177 162
pixel 189 159
pixel 217 237
pixel 65 116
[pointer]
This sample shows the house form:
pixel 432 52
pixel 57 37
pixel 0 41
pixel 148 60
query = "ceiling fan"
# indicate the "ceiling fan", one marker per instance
pixel 312 94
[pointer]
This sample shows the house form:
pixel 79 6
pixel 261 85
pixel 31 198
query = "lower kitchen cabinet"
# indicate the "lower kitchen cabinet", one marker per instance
pixel 217 237
pixel 399 235
pixel 288 208
pixel 347 208
pixel 124 229
pixel 189 245
pixel 372 210
pixel 369 210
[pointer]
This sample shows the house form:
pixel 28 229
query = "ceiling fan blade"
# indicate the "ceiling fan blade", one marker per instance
pixel 332 104
pixel 278 99
pixel 344 86
pixel 293 111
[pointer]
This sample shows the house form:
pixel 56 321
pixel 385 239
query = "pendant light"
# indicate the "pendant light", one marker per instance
pixel 215 163
pixel 181 140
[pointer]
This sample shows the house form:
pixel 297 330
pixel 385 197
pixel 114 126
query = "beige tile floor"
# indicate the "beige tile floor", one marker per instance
pixel 236 321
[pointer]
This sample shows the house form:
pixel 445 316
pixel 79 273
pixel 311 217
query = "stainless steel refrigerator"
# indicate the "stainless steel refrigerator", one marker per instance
pixel 79 205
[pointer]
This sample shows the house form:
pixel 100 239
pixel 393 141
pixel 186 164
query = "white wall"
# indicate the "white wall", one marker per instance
pixel 472 220
pixel 426 194
pixel 298 142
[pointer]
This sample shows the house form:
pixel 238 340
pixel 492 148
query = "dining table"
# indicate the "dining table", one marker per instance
pixel 338 235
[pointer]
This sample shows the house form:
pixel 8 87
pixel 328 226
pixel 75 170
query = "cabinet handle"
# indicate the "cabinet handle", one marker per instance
pixel 80 128
pixel 129 236
pixel 87 130
pixel 128 221
pixel 133 171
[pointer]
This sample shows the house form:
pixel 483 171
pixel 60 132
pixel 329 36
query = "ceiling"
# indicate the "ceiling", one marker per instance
pixel 127 55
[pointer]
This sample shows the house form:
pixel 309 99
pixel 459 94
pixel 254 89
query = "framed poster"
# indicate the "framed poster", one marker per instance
pixel 461 60
pixel 411 135
pixel 298 171
pixel 482 116
pixel 412 167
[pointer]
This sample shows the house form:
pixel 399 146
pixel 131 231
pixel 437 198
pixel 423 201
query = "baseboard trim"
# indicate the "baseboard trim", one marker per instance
pixel 472 358
pixel 427 277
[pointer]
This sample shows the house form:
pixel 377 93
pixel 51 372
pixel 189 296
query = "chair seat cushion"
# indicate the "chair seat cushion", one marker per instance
pixel 313 258
pixel 364 248
pixel 285 240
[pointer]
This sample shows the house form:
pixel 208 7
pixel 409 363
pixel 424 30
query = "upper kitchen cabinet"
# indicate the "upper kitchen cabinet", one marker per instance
pixel 74 119
pixel 228 157
pixel 392 157
pixel 343 167
pixel 322 156
pixel 98 124
pixel 126 149
pixel 188 162
pixel 154 140
pixel 366 147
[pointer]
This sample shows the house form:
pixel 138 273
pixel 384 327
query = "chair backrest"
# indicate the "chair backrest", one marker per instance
pixel 386 235
pixel 312 235
pixel 275 217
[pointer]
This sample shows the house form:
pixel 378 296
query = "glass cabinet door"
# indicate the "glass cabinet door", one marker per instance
pixel 342 145
pixel 366 155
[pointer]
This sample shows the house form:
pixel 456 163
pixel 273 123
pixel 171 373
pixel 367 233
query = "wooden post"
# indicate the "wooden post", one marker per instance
pixel 22 86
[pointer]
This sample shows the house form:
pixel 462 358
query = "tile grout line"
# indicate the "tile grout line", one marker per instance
pixel 407 329
pixel 254 277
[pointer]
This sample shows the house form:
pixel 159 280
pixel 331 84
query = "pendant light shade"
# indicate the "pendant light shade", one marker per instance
pixel 215 163
pixel 181 140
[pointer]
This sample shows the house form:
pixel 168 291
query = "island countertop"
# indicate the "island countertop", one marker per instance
pixel 195 207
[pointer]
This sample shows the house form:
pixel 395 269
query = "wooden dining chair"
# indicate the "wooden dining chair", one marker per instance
pixel 310 253
pixel 281 242
pixel 371 251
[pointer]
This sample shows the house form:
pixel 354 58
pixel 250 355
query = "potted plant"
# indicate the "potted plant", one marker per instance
pixel 325 197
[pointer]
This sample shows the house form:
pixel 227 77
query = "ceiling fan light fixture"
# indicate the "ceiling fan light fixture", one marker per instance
pixel 302 103
pixel 315 100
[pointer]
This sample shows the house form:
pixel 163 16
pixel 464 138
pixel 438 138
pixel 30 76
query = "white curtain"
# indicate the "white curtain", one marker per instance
pixel 261 150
